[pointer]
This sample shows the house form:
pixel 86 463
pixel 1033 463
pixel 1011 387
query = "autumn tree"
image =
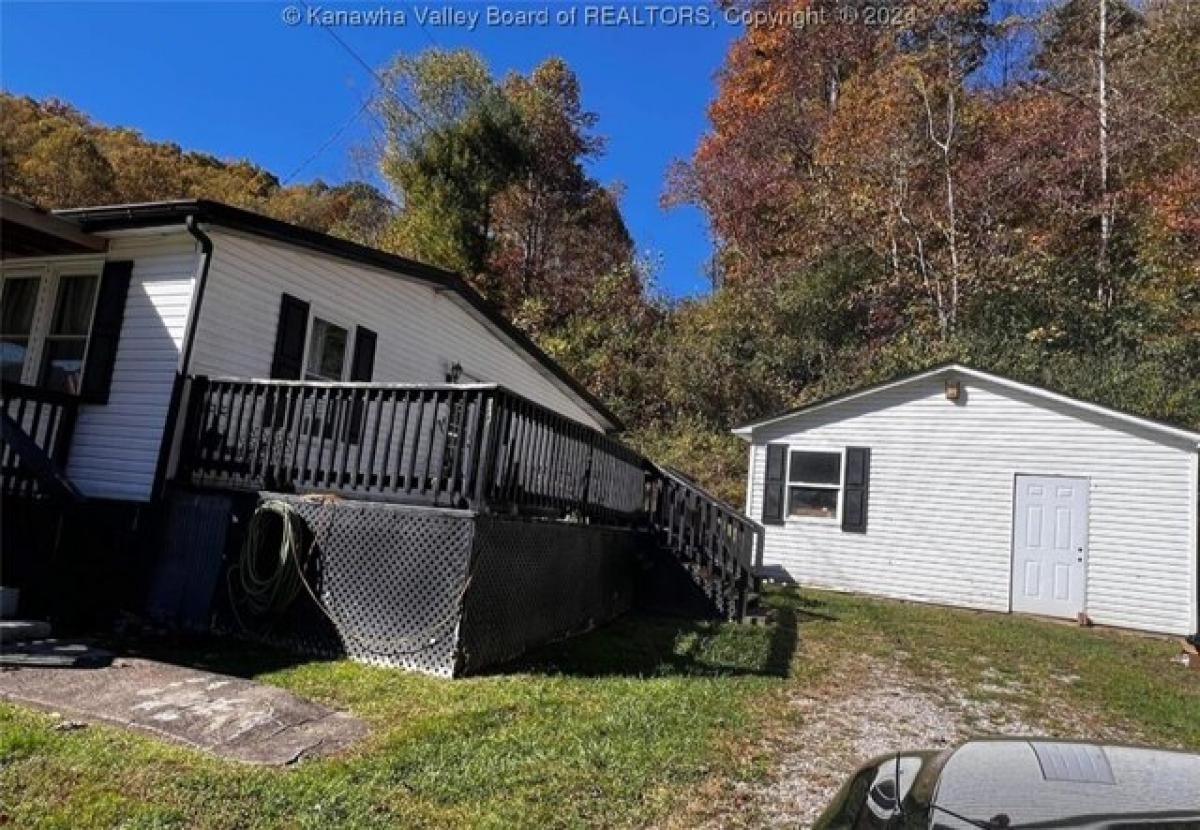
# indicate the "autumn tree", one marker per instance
pixel 999 202
pixel 491 177
pixel 559 230
pixel 53 156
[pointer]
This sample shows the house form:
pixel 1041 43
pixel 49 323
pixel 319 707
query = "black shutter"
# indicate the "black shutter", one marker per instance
pixel 774 487
pixel 362 366
pixel 288 362
pixel 858 481
pixel 106 331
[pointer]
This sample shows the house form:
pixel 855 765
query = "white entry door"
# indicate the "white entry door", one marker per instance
pixel 1050 520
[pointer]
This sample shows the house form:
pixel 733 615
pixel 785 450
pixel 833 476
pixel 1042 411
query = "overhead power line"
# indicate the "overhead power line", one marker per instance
pixel 364 107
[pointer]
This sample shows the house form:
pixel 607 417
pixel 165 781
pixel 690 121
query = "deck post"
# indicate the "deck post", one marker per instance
pixel 192 438
pixel 486 456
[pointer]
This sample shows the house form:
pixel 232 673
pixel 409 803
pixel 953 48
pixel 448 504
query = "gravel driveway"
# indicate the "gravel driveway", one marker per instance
pixel 871 710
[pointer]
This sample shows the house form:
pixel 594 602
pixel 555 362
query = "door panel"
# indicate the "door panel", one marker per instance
pixel 1049 545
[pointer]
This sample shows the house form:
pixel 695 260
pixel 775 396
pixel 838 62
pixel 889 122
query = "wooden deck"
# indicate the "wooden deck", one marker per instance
pixel 475 446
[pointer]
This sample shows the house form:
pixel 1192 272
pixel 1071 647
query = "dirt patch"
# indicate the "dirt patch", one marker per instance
pixel 870 711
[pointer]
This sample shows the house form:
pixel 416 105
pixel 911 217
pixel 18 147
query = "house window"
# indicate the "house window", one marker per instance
pixel 67 338
pixel 18 301
pixel 46 317
pixel 326 351
pixel 814 484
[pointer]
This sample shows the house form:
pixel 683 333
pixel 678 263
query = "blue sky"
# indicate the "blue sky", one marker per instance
pixel 234 80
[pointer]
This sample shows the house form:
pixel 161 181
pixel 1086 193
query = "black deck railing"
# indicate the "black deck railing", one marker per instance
pixel 708 534
pixel 477 446
pixel 456 445
pixel 37 429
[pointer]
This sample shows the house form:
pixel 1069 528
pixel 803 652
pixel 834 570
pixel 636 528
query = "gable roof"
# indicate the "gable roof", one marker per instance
pixel 153 214
pixel 747 430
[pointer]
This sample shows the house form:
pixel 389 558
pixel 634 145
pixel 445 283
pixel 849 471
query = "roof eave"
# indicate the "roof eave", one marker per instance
pixel 746 431
pixel 853 394
pixel 32 232
pixel 150 214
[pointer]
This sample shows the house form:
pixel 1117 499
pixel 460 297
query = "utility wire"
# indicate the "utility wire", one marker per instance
pixel 426 32
pixel 380 79
pixel 365 106
pixel 329 141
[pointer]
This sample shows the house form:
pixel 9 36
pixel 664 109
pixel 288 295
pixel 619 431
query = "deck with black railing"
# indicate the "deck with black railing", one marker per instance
pixel 476 446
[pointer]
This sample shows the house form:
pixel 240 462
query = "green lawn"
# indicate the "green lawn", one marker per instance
pixel 627 726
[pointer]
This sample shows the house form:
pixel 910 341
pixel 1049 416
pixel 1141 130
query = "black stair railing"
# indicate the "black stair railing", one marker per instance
pixel 36 426
pixel 714 540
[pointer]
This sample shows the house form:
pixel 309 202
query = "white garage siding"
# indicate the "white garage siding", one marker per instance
pixel 114 451
pixel 421 330
pixel 941 490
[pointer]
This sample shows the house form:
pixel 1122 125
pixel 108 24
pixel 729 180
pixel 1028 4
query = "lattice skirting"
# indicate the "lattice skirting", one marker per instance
pixel 446 592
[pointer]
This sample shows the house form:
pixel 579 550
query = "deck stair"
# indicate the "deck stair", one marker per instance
pixel 715 544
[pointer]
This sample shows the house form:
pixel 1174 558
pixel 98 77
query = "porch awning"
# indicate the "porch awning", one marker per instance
pixel 26 231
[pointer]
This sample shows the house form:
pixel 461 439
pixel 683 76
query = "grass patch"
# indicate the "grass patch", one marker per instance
pixel 618 728
pixel 606 729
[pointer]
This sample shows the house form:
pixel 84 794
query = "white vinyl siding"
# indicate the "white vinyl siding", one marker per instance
pixel 939 520
pixel 421 331
pixel 114 451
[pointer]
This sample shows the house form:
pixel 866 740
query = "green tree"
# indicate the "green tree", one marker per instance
pixel 453 144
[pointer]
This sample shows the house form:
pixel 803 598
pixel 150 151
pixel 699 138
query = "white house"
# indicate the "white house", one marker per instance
pixel 959 487
pixel 119 304
pixel 165 365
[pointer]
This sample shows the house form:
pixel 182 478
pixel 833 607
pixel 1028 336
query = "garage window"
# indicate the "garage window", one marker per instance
pixel 814 484
pixel 326 351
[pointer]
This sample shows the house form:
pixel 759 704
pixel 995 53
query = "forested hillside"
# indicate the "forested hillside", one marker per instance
pixel 54 156
pixel 1015 185
pixel 1012 185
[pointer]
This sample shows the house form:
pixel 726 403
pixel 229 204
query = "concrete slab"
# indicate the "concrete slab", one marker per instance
pixel 228 716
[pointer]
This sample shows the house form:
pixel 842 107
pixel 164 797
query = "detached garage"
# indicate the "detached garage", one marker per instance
pixel 960 487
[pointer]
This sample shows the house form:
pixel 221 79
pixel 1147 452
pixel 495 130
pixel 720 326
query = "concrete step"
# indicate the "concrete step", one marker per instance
pixel 52 654
pixel 16 631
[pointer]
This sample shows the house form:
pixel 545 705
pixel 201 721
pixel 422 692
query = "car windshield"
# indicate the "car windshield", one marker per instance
pixel 1034 783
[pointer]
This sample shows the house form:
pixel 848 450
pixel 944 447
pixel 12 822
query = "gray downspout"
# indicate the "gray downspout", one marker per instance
pixel 185 359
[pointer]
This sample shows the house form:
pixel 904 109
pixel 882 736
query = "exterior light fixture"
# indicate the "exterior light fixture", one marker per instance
pixel 454 373
pixel 953 390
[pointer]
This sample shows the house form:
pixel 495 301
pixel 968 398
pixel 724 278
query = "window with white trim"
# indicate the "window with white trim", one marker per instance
pixel 18 302
pixel 67 337
pixel 814 484
pixel 46 316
